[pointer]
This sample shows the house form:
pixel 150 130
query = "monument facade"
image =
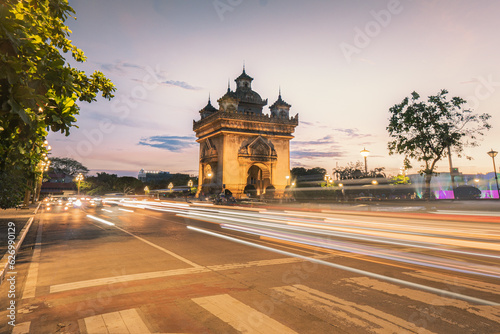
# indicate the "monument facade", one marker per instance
pixel 243 149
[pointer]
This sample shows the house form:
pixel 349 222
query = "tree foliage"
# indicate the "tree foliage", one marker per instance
pixel 356 171
pixel 67 166
pixel 301 171
pixel 423 130
pixel 39 90
pixel 12 186
pixel 104 183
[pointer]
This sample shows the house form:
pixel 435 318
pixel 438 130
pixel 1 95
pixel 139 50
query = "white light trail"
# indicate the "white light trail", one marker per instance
pixel 100 220
pixel 350 269
pixel 125 210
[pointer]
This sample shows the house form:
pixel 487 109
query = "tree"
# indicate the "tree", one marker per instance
pixel 129 184
pixel 301 171
pixel 424 130
pixel 351 171
pixel 39 90
pixel 68 166
pixel 104 183
pixel 12 186
pixel 356 171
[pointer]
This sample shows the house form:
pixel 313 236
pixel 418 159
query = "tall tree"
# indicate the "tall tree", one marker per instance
pixel 39 90
pixel 129 184
pixel 424 130
pixel 68 166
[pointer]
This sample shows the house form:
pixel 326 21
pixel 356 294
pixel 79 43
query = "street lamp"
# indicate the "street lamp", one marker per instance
pixel 190 183
pixel 79 178
pixel 493 154
pixel 365 153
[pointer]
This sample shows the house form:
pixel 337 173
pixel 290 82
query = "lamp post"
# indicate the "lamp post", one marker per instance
pixel 365 153
pixel 78 179
pixel 493 154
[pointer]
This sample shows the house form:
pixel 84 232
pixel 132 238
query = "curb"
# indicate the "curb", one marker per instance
pixel 4 262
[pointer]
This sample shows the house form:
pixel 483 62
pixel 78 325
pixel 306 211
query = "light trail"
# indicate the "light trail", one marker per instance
pixel 325 231
pixel 101 220
pixel 421 260
pixel 125 210
pixel 350 269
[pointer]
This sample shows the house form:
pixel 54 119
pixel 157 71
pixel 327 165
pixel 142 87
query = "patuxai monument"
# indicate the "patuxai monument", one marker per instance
pixel 242 149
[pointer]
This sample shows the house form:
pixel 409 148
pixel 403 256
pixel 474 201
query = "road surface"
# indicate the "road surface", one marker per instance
pixel 160 267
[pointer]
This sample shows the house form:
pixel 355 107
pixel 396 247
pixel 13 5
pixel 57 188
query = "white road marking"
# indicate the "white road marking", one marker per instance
pixel 32 278
pixel 127 210
pixel 22 328
pixel 134 321
pixel 458 281
pixel 351 269
pixel 178 257
pixel 167 273
pixel 485 311
pixel 124 278
pixel 363 316
pixel 240 316
pixel 122 322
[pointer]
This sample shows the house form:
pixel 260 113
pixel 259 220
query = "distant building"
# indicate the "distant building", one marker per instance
pixel 58 184
pixel 153 175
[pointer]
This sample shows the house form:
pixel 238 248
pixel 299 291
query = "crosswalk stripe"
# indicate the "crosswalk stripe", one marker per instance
pixel 95 325
pixel 362 316
pixel 121 322
pixel 458 281
pixel 134 321
pixel 485 311
pixel 22 328
pixel 240 316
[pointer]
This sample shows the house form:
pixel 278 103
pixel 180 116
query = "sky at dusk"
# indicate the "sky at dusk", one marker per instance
pixel 340 64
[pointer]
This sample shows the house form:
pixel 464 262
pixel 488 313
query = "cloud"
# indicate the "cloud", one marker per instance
pixel 181 84
pixel 124 68
pixel 325 140
pixel 120 67
pixel 169 143
pixel 353 133
pixel 306 154
pixel 350 132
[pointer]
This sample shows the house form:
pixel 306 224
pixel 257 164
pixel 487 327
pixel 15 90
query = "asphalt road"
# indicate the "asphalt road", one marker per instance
pixel 150 267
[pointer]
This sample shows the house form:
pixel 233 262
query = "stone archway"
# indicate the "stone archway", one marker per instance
pixel 208 179
pixel 259 176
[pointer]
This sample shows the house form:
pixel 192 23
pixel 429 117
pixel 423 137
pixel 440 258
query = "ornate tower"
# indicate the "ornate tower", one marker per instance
pixel 241 148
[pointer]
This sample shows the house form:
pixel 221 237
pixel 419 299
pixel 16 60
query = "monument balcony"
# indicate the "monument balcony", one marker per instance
pixel 246 117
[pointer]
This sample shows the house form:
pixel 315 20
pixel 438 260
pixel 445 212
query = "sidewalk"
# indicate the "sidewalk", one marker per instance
pixel 12 222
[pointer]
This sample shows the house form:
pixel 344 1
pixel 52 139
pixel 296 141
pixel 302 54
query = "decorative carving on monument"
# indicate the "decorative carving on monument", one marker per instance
pixel 208 151
pixel 257 149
